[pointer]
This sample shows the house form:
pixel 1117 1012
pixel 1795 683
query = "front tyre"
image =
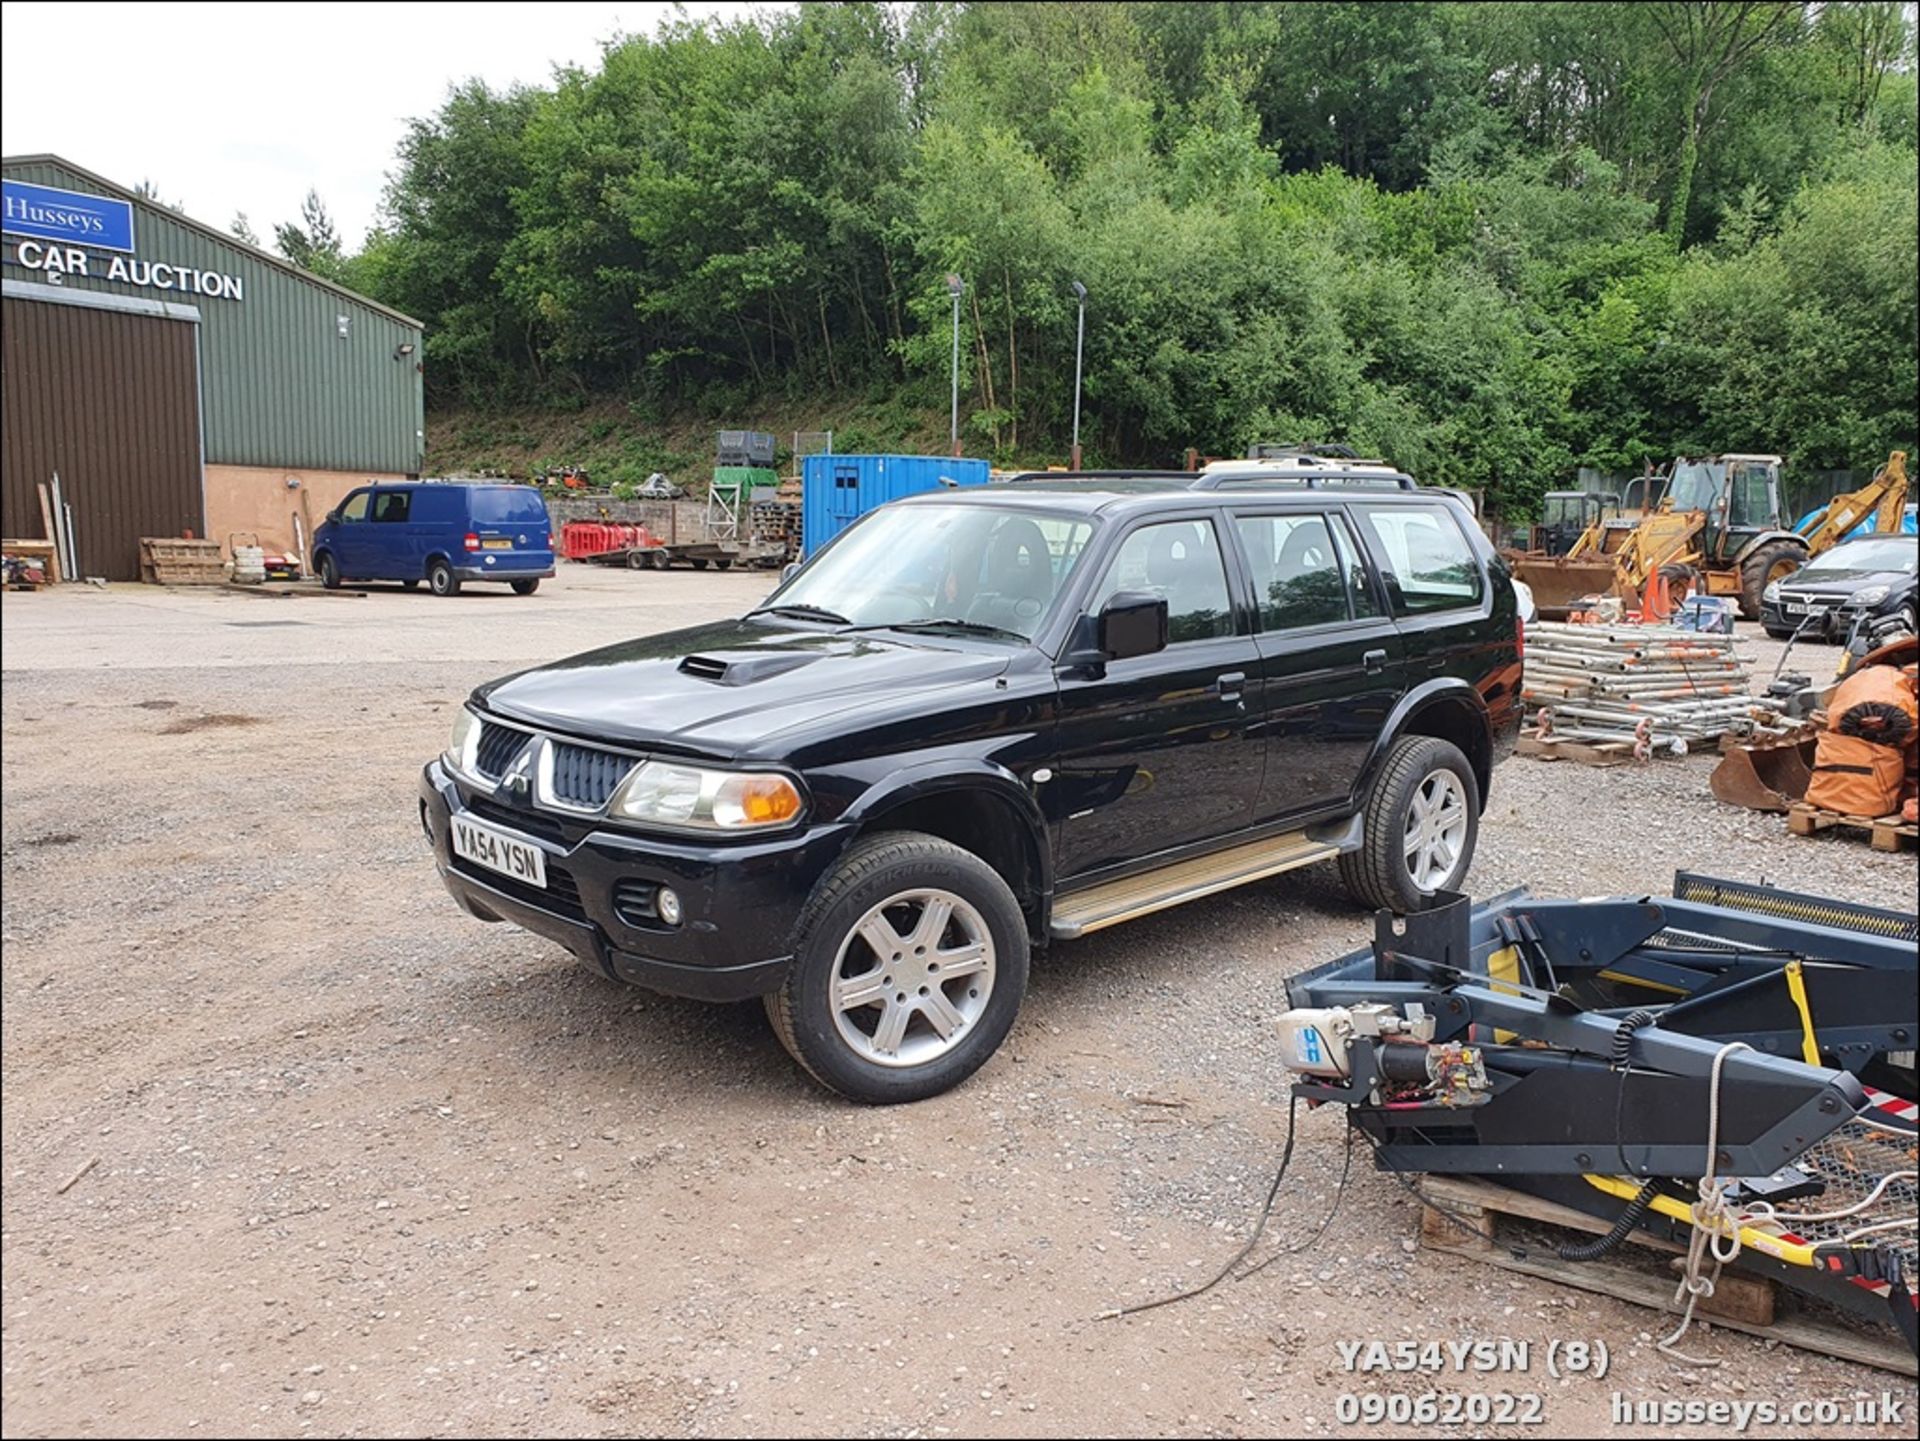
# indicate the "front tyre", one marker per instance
pixel 329 571
pixel 1420 825
pixel 909 967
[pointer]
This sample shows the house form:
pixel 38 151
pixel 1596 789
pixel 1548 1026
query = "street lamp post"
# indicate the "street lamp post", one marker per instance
pixel 1079 348
pixel 956 287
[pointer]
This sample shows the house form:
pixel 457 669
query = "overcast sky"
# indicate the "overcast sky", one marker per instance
pixel 241 107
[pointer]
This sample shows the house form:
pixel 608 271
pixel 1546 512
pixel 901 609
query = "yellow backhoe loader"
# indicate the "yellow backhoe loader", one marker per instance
pixel 1718 530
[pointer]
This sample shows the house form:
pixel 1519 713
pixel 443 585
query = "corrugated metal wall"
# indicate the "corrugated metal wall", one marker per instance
pixel 283 387
pixel 107 400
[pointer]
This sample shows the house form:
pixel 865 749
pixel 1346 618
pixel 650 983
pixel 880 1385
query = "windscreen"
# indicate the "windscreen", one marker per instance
pixel 1895 553
pixel 981 565
pixel 507 505
pixel 1695 485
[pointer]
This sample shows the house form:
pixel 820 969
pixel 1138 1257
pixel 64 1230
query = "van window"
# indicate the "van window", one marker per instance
pixel 506 505
pixel 1423 546
pixel 356 506
pixel 391 505
pixel 1296 574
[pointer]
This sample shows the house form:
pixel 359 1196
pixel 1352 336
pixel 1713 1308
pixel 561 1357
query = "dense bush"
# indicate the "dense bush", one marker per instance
pixel 1491 241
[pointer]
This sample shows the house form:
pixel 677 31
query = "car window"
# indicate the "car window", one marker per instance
pixel 391 505
pixel 1180 560
pixel 356 506
pixel 1353 567
pixel 1423 546
pixel 1297 577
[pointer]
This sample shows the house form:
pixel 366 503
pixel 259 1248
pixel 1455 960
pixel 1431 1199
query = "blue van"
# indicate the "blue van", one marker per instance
pixel 443 532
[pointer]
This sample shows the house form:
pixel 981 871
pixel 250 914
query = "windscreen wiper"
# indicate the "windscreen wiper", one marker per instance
pixel 963 627
pixel 804 612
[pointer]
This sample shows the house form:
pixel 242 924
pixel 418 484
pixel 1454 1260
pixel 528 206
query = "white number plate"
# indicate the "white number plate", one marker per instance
pixel 498 852
pixel 1794 608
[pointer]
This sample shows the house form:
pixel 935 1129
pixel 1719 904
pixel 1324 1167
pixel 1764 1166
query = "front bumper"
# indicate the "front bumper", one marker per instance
pixel 740 899
pixel 1828 622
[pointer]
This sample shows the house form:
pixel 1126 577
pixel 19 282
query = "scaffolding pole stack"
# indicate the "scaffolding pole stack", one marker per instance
pixel 1660 688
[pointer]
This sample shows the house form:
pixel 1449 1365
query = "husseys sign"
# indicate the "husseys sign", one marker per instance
pixel 55 231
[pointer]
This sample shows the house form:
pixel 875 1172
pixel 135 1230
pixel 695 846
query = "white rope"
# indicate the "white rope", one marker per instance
pixel 1715 1229
pixel 1764 1211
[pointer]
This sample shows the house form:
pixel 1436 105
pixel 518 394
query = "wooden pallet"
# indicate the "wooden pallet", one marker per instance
pixel 1885 833
pixel 1493 1215
pixel 1592 753
pixel 168 560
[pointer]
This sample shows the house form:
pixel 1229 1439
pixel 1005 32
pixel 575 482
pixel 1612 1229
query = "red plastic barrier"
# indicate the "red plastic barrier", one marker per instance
pixel 582 539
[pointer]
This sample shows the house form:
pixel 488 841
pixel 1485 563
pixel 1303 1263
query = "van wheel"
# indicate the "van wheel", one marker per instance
pixel 441 580
pixel 1419 828
pixel 329 571
pixel 909 965
pixel 526 587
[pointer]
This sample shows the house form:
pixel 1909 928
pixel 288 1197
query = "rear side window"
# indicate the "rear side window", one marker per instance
pixel 1296 571
pixel 507 505
pixel 1428 555
pixel 1179 560
pixel 391 505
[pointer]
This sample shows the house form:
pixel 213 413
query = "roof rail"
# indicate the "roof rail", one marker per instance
pixel 1287 449
pixel 1331 478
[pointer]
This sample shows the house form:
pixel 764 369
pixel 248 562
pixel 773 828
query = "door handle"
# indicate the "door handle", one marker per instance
pixel 1375 661
pixel 1229 685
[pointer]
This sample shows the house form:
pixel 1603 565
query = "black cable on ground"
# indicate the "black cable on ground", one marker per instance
pixel 1259 1228
pixel 1635 1212
pixel 1339 1194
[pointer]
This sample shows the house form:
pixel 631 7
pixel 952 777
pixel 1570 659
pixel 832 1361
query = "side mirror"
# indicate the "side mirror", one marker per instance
pixel 1133 623
pixel 789 571
pixel 333 517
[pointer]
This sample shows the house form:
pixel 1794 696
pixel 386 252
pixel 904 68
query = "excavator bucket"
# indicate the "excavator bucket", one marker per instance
pixel 1766 775
pixel 1557 582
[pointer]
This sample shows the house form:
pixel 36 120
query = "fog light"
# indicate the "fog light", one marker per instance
pixel 669 905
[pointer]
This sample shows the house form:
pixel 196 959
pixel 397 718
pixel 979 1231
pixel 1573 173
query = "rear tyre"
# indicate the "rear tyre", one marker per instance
pixel 1774 561
pixel 1420 825
pixel 1682 581
pixel 526 587
pixel 699 563
pixel 909 965
pixel 329 571
pixel 726 564
pixel 658 560
pixel 441 580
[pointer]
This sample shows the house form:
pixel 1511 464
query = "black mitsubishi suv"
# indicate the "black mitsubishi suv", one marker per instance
pixel 980 721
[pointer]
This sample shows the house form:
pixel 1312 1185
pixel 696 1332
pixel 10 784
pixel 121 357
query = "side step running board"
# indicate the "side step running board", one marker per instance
pixel 1080 912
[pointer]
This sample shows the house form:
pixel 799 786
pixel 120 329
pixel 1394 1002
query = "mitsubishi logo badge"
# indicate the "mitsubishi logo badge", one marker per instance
pixel 518 781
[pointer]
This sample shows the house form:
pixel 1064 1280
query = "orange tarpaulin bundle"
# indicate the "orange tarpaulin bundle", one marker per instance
pixel 1876 703
pixel 1856 777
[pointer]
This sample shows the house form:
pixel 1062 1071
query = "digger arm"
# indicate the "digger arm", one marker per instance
pixel 1882 497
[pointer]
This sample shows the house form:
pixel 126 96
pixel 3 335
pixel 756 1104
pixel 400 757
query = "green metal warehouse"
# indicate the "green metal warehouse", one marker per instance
pixel 179 380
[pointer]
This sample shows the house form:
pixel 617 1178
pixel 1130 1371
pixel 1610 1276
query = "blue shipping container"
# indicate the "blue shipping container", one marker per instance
pixel 838 489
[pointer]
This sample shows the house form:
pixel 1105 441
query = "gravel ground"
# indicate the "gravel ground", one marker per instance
pixel 360 1165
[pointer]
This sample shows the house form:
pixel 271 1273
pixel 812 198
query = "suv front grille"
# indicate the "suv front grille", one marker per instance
pixel 561 896
pixel 585 777
pixel 498 746
pixel 531 822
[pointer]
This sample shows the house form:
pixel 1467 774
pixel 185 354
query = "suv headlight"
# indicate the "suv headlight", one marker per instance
pixel 463 747
pixel 662 793
pixel 1872 595
pixel 1772 593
